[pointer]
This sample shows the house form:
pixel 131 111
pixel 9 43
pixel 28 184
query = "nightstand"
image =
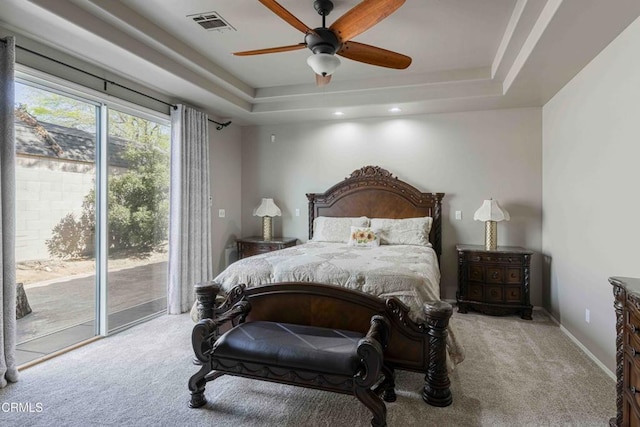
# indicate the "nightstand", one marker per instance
pixel 494 282
pixel 248 246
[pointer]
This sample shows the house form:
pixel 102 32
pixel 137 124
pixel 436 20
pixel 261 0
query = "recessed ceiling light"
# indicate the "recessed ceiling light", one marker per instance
pixel 338 113
pixel 394 110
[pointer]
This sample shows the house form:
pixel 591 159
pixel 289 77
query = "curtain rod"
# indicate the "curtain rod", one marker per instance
pixel 111 82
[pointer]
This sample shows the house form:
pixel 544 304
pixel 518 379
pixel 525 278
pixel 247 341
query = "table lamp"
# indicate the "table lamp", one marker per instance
pixel 267 210
pixel 490 212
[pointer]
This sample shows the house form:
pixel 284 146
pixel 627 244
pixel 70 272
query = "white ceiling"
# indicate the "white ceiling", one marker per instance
pixel 467 54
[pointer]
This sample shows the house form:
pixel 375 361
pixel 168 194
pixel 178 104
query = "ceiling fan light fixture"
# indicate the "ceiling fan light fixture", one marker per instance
pixel 323 64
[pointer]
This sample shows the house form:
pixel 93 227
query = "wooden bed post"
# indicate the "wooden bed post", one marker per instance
pixel 206 293
pixel 436 390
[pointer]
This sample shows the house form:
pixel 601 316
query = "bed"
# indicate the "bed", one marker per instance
pixel 399 278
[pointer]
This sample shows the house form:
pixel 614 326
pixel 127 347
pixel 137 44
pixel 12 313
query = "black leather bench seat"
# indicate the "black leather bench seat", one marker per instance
pixel 292 346
pixel 336 360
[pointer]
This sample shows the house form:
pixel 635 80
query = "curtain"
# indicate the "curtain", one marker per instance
pixel 8 369
pixel 190 259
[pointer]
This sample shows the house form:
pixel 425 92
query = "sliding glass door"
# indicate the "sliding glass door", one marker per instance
pixel 55 250
pixel 138 217
pixel 92 216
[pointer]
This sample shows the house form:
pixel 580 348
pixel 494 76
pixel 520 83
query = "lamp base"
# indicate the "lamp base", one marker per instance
pixel 490 235
pixel 267 228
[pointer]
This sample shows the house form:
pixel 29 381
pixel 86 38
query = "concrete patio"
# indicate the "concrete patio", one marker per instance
pixel 64 309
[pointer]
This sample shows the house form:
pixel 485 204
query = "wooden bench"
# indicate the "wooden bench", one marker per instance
pixel 341 361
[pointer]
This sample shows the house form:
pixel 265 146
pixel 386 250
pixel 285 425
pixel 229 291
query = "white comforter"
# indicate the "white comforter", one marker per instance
pixel 409 273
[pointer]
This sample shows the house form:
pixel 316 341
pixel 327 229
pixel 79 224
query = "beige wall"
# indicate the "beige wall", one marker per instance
pixel 469 156
pixel 225 157
pixel 591 177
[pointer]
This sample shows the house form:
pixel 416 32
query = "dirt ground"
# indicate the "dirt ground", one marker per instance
pixel 28 272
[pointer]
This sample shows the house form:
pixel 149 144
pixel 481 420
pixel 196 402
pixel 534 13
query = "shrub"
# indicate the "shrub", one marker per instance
pixel 138 209
pixel 68 239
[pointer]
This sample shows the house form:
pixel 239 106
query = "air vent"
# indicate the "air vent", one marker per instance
pixel 211 21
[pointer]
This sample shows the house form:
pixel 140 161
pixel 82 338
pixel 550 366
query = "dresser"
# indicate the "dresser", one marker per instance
pixel 248 246
pixel 626 291
pixel 494 282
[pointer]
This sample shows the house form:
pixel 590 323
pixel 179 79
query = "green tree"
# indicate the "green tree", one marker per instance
pixel 138 207
pixel 57 109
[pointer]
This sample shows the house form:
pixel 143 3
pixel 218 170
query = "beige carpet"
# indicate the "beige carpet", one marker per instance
pixel 517 373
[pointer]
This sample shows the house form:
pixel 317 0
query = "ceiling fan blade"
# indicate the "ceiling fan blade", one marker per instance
pixel 374 55
pixel 271 50
pixel 363 16
pixel 322 80
pixel 283 13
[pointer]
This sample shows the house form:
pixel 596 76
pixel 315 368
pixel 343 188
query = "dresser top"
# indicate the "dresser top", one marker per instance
pixel 631 284
pixel 499 250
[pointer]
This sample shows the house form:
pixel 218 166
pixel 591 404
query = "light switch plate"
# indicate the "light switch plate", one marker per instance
pixel 221 213
pixel 458 215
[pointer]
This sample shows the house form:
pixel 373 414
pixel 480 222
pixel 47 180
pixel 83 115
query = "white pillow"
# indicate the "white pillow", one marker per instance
pixel 363 237
pixel 336 229
pixel 408 231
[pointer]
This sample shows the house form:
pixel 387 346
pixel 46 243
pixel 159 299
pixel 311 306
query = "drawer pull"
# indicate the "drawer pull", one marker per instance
pixel 495 275
pixel 510 259
pixel 634 329
pixel 634 352
pixel 475 258
pixel 633 390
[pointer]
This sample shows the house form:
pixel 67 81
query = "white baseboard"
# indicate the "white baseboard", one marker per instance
pixel 586 351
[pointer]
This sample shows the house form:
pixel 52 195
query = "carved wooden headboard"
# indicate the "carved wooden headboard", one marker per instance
pixel 375 193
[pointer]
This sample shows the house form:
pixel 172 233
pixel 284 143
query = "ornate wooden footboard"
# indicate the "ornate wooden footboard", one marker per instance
pixel 419 347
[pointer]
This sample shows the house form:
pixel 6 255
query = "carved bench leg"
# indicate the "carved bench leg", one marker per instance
pixel 388 385
pixel 375 405
pixel 436 390
pixel 197 384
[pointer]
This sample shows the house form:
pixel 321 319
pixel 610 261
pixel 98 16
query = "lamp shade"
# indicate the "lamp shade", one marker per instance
pixel 491 211
pixel 267 208
pixel 323 63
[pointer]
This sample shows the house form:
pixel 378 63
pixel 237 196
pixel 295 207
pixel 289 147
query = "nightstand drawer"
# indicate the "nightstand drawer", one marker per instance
pixel 513 294
pixel 267 248
pixel 476 273
pixel 249 246
pixel 493 258
pixel 256 250
pixel 494 293
pixel 495 275
pixel 475 291
pixel 514 275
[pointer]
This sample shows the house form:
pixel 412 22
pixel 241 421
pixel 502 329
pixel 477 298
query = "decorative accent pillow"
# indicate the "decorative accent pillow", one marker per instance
pixel 408 231
pixel 363 237
pixel 336 229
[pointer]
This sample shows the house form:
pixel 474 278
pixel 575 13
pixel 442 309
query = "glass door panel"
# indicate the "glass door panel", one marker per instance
pixel 138 217
pixel 55 220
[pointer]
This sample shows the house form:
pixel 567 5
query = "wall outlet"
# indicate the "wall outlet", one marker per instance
pixel 458 215
pixel 587 315
pixel 221 213
pixel 297 212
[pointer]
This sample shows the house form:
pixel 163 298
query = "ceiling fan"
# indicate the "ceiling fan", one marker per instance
pixel 325 42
